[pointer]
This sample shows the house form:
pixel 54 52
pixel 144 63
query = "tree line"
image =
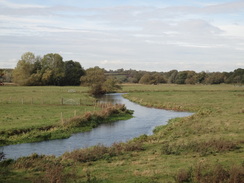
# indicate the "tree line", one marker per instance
pixel 47 70
pixel 50 69
pixel 178 77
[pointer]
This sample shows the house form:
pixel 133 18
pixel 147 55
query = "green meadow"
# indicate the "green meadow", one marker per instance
pixel 26 107
pixel 30 114
pixel 205 147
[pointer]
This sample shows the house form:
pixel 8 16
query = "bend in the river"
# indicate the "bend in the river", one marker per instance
pixel 144 121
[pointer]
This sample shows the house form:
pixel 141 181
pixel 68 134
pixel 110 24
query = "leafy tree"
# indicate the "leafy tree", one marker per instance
pixel 238 76
pixel 24 69
pixel 110 85
pixel 159 78
pixel 214 78
pixel 53 69
pixel 96 79
pixel 146 79
pixel 201 77
pixel 191 77
pixel 181 77
pixel 73 72
pixel 172 76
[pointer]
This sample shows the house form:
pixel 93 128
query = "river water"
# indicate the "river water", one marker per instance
pixel 144 121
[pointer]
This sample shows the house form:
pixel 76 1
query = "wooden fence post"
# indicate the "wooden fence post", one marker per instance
pixel 62 119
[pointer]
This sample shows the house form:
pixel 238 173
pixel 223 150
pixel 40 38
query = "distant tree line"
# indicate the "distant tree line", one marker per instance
pixel 178 77
pixel 52 70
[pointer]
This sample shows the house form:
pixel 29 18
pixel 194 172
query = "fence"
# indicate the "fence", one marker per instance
pixel 44 101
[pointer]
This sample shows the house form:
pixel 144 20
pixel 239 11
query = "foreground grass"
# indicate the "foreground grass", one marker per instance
pixel 205 147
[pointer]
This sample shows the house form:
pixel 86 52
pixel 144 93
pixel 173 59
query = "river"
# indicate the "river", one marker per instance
pixel 144 121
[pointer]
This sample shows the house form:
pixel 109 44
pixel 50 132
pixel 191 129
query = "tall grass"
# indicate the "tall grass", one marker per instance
pixel 65 127
pixel 207 173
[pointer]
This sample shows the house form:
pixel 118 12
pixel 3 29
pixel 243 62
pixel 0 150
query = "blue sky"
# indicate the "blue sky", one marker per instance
pixel 153 35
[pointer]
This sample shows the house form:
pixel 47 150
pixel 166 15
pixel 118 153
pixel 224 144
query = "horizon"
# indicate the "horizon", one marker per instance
pixel 139 35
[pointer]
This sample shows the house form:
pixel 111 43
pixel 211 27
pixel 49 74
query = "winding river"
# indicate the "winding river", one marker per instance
pixel 144 121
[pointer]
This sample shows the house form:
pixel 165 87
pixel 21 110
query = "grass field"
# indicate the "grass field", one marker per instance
pixel 205 147
pixel 30 114
pixel 25 107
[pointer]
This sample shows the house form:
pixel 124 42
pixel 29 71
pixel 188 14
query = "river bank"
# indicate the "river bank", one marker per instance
pixel 66 127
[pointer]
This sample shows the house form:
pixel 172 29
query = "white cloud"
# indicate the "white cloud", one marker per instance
pixel 19 6
pixel 233 30
pixel 129 36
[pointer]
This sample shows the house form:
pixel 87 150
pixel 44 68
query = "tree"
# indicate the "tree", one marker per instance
pixel 110 85
pixel 238 76
pixel 53 69
pixel 24 69
pixel 172 76
pixel 96 79
pixel 214 78
pixel 181 77
pixel 73 72
pixel 191 77
pixel 146 79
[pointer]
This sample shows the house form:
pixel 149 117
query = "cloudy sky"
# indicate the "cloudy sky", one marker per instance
pixel 153 35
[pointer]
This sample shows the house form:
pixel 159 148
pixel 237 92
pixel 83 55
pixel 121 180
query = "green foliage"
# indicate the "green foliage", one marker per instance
pixel 24 69
pixel 110 85
pixel 178 77
pixel 99 84
pixel 154 78
pixel 73 72
pixel 49 70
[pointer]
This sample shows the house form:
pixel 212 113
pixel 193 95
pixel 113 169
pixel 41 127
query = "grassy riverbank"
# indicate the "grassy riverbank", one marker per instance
pixel 31 114
pixel 205 147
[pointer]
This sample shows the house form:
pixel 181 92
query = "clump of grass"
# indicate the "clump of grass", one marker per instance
pixel 54 173
pixel 102 152
pixel 95 118
pixel 206 173
pixel 204 148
